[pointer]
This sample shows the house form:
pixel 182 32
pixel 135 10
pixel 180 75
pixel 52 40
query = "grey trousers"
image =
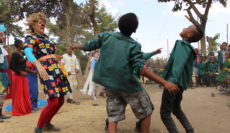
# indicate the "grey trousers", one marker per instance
pixel 171 103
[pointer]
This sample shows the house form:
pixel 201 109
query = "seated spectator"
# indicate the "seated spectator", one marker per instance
pixel 212 70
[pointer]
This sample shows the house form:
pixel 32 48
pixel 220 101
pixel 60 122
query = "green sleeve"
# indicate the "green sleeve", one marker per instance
pixel 209 68
pixel 181 55
pixel 94 43
pixel 216 68
pixel 136 59
pixel 146 56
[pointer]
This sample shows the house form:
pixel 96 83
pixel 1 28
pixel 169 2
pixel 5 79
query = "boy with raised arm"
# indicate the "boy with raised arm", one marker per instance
pixel 120 57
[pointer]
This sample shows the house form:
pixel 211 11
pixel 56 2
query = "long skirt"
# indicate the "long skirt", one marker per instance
pixel 21 104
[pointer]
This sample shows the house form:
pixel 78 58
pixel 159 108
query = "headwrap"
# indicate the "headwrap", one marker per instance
pixel 2 28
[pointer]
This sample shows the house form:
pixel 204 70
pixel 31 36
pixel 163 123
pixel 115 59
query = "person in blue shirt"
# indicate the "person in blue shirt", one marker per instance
pixel 93 64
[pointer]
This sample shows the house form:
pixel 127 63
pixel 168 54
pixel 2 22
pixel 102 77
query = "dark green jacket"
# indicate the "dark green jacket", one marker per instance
pixel 202 68
pixel 179 66
pixel 146 56
pixel 120 57
pixel 212 67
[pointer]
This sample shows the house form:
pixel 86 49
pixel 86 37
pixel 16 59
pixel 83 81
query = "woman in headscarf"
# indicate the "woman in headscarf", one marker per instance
pixel 21 104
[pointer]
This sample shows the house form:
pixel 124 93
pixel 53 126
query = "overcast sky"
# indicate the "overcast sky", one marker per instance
pixel 157 23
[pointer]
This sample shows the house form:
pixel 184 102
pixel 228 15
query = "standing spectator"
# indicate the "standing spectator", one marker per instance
pixel 70 62
pixel 21 104
pixel 221 78
pixel 206 77
pixel 89 86
pixel 195 65
pixel 33 84
pixel 221 58
pixel 4 79
pixel 93 65
pixel 212 70
pixel 201 72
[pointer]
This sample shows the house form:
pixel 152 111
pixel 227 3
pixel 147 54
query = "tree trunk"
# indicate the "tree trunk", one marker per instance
pixel 203 45
pixel 87 67
pixel 91 13
pixel 80 78
pixel 68 25
pixel 203 40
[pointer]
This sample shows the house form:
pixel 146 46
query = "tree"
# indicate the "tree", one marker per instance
pixel 79 23
pixel 9 17
pixel 70 23
pixel 212 42
pixel 74 22
pixel 191 7
pixel 100 20
pixel 13 11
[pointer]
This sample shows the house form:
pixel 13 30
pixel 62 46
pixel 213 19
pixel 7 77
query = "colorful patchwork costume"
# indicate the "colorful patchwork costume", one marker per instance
pixel 42 46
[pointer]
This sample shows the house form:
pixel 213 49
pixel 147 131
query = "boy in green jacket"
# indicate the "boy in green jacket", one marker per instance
pixel 120 57
pixel 179 70
pixel 212 70
pixel 202 72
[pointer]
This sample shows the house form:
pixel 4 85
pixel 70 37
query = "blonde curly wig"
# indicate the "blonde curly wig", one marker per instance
pixel 34 18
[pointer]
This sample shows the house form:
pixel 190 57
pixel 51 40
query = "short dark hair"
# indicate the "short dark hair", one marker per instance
pixel 17 42
pixel 225 43
pixel 128 23
pixel 198 34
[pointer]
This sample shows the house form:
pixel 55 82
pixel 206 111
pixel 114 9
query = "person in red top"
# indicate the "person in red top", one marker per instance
pixel 21 104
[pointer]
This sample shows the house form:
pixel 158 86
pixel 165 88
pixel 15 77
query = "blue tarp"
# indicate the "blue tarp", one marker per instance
pixel 41 103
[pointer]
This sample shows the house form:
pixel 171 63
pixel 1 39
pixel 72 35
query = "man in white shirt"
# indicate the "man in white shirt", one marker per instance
pixel 71 64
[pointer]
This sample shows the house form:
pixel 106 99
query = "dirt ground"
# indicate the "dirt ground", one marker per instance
pixel 206 113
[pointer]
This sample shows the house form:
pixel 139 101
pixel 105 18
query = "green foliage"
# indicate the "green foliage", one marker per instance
pixel 178 4
pixel 51 8
pixel 74 25
pixel 106 22
pixel 212 42
pixel 194 14
pixel 9 16
pixel 74 22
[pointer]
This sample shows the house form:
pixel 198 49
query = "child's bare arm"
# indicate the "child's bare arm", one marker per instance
pixel 76 46
pixel 171 87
